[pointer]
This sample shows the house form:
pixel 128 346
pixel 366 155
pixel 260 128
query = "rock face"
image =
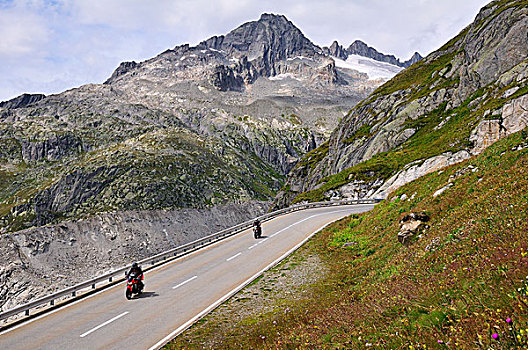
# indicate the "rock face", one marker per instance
pixel 451 104
pixel 51 149
pixel 514 118
pixel 38 261
pixel 22 101
pixel 223 79
pixel 413 171
pixel 411 225
pixel 266 43
pixel 123 68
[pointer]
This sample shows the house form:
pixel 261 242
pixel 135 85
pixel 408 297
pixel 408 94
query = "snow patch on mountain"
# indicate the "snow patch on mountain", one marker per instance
pixel 374 69
pixel 283 76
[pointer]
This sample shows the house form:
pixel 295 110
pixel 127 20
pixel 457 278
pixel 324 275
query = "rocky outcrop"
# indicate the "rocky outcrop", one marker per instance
pixel 413 171
pixel 411 225
pixel 416 57
pixel 266 42
pixel 71 191
pixel 514 118
pixel 224 79
pixel 39 261
pixel 357 189
pixel 22 101
pixel 358 47
pixel 123 68
pixel 491 52
pixel 336 50
pixel 51 149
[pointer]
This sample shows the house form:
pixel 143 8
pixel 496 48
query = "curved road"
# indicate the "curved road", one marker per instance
pixel 176 294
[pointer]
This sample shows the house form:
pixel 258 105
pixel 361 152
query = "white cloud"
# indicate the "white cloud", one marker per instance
pixel 22 33
pixel 52 45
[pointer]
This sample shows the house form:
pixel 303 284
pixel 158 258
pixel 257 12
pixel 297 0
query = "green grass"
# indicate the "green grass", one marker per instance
pixel 452 288
pixel 312 158
pixel 361 132
pixel 417 76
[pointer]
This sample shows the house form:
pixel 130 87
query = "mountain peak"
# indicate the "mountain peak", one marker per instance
pixel 266 17
pixel 271 39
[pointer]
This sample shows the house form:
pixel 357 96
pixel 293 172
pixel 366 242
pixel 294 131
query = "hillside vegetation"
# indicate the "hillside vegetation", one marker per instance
pixel 461 284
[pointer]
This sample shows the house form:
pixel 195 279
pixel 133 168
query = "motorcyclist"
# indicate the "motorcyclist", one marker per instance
pixel 135 270
pixel 256 224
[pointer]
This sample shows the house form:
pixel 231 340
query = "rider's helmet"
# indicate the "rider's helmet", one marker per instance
pixel 134 265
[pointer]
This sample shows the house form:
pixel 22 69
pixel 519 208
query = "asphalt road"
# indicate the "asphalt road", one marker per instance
pixel 175 294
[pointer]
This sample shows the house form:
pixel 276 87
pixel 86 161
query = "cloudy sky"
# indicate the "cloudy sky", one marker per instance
pixel 49 46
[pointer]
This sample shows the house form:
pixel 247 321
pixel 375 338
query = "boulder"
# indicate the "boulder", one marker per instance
pixel 411 225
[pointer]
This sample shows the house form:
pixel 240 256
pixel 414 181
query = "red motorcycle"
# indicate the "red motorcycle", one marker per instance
pixel 133 285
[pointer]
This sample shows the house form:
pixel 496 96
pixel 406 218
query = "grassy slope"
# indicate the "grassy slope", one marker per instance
pixel 453 288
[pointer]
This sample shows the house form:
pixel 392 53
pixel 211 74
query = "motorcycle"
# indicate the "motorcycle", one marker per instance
pixel 257 231
pixel 133 286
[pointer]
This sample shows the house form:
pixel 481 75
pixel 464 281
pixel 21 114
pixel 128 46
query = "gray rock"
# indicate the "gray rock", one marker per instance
pixel 411 225
pixel 23 100
pixel 52 149
pixel 413 171
pixel 514 118
pixel 224 79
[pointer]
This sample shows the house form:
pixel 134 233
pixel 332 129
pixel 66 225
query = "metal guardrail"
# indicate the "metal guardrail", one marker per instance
pixel 172 254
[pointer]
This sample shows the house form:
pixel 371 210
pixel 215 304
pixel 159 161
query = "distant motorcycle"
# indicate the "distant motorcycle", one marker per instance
pixel 133 286
pixel 257 231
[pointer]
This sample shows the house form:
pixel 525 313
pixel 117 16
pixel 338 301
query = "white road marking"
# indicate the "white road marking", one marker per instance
pixel 234 256
pixel 103 324
pixel 253 246
pixel 184 282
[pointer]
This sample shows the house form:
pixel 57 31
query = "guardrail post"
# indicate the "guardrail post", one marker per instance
pixel 110 279
pixel 52 302
pixel 93 285
pixel 73 293
pixel 27 312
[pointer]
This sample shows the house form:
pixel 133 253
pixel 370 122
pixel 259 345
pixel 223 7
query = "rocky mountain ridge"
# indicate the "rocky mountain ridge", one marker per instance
pixel 358 47
pixel 439 111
